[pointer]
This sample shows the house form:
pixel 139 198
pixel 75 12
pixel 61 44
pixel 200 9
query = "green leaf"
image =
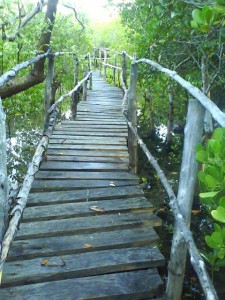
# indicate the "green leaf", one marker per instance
pixel 222 201
pixel 194 24
pixel 220 9
pixel 197 16
pixel 208 195
pixel 211 181
pixel 201 176
pixel 217 227
pixel 218 134
pixel 208 14
pixel 201 156
pixel 219 214
pixel 210 242
pixel 199 147
pixel 220 263
pixel 217 237
pixel 221 253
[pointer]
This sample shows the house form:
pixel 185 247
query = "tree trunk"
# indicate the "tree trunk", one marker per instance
pixel 4 189
pixel 48 89
pixel 36 75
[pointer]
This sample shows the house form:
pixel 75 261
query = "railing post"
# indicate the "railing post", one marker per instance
pixel 105 61
pixel 4 187
pixel 85 88
pixel 132 117
pixel 124 67
pixel 114 69
pixel 75 96
pixel 100 62
pixel 89 69
pixel 48 87
pixel 187 181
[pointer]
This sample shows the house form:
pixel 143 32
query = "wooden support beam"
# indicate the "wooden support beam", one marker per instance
pixel 114 69
pixel 188 177
pixel 124 68
pixel 4 190
pixel 75 95
pixel 89 70
pixel 85 88
pixel 105 61
pixel 132 117
pixel 100 62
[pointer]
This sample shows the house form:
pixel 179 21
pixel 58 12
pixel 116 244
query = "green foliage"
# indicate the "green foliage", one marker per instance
pixel 209 16
pixel 212 185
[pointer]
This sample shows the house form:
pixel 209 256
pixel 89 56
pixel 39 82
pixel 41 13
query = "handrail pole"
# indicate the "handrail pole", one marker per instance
pixel 89 70
pixel 100 62
pixel 85 87
pixel 105 66
pixel 75 95
pixel 132 117
pixel 187 181
pixel 4 186
pixel 124 68
pixel 114 69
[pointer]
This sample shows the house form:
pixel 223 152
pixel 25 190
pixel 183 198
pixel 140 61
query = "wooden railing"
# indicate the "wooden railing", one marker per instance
pixel 181 204
pixel 8 228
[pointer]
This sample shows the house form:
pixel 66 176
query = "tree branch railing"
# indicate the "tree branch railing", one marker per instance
pixel 50 119
pixel 180 205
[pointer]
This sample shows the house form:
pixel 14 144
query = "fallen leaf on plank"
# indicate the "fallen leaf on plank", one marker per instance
pixel 44 262
pixel 88 246
pixel 96 208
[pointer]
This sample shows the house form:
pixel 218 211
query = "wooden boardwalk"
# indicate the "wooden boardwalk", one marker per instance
pixel 87 232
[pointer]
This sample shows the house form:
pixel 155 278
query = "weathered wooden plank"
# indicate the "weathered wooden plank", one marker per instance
pixel 90 128
pixel 120 286
pixel 88 153
pixel 77 141
pixel 80 225
pixel 115 139
pixel 80 265
pixel 86 175
pixel 87 159
pixel 46 198
pixel 88 147
pixel 71 210
pixel 53 165
pixel 90 134
pixel 72 244
pixel 97 122
pixel 67 184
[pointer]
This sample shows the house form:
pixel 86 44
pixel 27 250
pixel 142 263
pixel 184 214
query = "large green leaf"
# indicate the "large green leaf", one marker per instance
pixel 219 214
pixel 211 182
pixel 218 134
pixel 201 156
pixel 208 195
pixel 197 16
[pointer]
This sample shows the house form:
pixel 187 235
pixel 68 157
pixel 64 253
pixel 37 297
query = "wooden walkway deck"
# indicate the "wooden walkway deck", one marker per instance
pixel 87 232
